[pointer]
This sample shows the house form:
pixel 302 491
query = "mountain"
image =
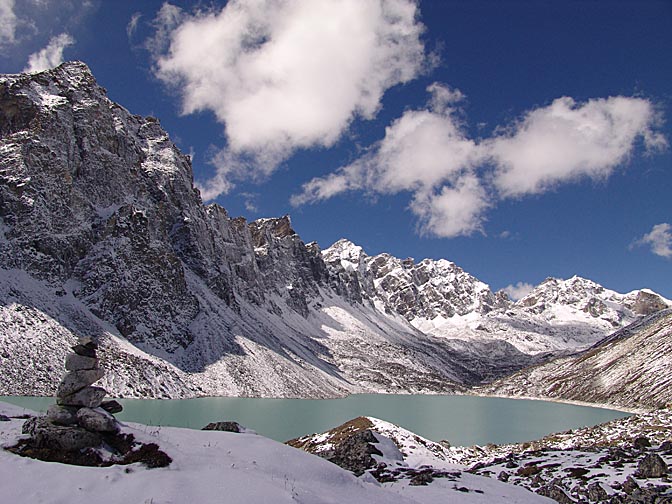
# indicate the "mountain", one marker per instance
pixel 628 369
pixel 439 298
pixel 103 234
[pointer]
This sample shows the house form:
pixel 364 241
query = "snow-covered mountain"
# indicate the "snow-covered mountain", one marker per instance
pixel 441 299
pixel 631 368
pixel 102 233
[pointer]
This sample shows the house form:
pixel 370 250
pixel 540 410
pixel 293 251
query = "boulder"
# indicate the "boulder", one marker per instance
pixel 45 434
pixel 4 418
pixel 224 426
pixel 596 493
pixel 77 380
pixel 651 466
pixel 86 347
pixel 630 485
pixel 63 415
pixel 641 443
pixel 75 362
pixel 97 420
pixel 90 397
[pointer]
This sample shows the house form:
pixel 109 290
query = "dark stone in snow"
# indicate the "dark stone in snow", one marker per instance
pixel 641 443
pixel 596 493
pixel 224 426
pixel 630 485
pixel 651 466
pixel 4 418
pixel 354 453
pixel 556 493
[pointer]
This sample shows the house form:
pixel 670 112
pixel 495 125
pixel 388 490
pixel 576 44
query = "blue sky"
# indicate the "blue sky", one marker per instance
pixel 519 139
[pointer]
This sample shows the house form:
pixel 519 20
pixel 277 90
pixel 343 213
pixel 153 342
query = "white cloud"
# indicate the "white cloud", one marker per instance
pixel 51 56
pixel 455 180
pixel 456 210
pixel 424 152
pixel 566 141
pixel 8 22
pixel 519 290
pixel 132 25
pixel 659 239
pixel 286 75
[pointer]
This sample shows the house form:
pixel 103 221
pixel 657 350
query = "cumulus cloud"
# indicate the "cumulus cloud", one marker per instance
pixel 659 239
pixel 455 210
pixel 285 75
pixel 519 290
pixel 454 179
pixel 566 141
pixel 427 153
pixel 8 22
pixel 51 56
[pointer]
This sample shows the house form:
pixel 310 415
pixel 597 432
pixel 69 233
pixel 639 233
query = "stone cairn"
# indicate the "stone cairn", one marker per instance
pixel 80 416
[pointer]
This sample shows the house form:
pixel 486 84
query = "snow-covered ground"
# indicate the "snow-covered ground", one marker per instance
pixel 222 467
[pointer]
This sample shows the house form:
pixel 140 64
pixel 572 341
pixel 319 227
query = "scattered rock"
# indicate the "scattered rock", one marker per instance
pixel 4 418
pixel 651 466
pixel 596 493
pixel 224 426
pixel 630 485
pixel 641 443
pixel 503 476
pixel 422 478
pixel 556 493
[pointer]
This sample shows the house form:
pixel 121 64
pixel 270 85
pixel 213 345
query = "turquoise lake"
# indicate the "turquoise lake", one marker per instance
pixel 462 420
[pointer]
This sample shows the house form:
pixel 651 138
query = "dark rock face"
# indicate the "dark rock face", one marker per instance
pixel 354 453
pixel 652 466
pixel 647 303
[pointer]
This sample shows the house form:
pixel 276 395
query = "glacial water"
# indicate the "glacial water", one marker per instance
pixel 462 420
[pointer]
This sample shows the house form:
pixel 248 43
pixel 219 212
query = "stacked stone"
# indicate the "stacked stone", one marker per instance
pixel 80 415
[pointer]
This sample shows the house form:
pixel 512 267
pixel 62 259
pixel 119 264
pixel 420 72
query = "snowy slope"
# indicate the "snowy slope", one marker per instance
pixel 632 368
pixel 212 467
